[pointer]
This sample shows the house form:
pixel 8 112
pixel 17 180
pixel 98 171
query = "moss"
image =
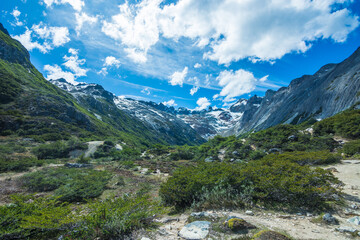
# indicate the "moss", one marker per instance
pixel 268 234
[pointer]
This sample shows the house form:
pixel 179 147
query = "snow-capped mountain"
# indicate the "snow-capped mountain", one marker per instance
pixel 105 104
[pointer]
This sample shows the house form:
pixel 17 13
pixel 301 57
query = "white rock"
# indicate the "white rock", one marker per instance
pixel 196 230
pixel 249 213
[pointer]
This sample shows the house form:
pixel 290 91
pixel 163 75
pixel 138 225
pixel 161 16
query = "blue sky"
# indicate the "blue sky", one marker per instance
pixel 192 53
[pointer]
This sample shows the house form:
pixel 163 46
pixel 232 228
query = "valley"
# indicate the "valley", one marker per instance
pixel 79 162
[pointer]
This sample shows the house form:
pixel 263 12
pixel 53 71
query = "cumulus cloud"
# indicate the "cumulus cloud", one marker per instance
pixel 43 37
pixel 16 13
pixel 178 77
pixel 194 90
pixel 170 103
pixel 109 62
pixel 202 103
pixel 136 27
pixel 258 30
pixel 73 63
pixel 82 18
pixel 197 65
pixel 76 4
pixel 236 83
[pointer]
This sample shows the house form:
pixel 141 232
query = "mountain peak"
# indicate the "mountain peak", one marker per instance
pixel 11 50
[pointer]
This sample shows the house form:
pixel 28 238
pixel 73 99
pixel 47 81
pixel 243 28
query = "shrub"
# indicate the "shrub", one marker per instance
pixel 116 218
pixel 71 185
pixel 277 182
pixel 18 164
pixel 58 149
pixel 306 158
pixel 352 148
pixel 345 124
pixel 29 217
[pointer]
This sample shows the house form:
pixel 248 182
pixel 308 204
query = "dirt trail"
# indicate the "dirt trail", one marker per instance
pixel 92 147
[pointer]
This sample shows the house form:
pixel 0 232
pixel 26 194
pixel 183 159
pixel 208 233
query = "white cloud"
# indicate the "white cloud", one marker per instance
pixel 76 4
pixel 146 91
pixel 202 103
pixel 170 103
pixel 55 72
pixel 73 63
pixel 194 90
pixel 178 77
pixel 197 65
pixel 16 13
pixel 29 44
pixel 233 30
pixel 236 84
pixel 136 27
pixel 57 35
pixel 109 62
pixel 82 18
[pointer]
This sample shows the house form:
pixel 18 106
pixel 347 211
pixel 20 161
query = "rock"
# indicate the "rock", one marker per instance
pixel 332 169
pixel 237 224
pixel 196 230
pixel 293 138
pixel 77 165
pixel 203 214
pixel 328 218
pixel 235 153
pixel 275 150
pixel 167 220
pixel 354 220
pixel 285 216
pixel 249 213
pixel 309 214
pixel 354 206
pixel 346 229
pixel 145 238
pixel 209 159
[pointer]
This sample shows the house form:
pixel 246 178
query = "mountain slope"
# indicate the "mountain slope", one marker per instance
pixel 32 106
pixel 105 104
pixel 334 88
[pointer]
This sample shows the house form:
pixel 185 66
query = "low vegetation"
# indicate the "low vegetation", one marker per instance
pixel 71 185
pixel 279 182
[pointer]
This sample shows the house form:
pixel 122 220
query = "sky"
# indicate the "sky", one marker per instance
pixel 184 53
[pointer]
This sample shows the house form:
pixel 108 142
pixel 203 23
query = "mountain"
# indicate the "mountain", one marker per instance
pixel 104 104
pixel 332 89
pixel 32 106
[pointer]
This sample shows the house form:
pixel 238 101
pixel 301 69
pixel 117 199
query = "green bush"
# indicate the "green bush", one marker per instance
pixel 18 164
pixel 116 218
pixel 352 148
pixel 306 158
pixel 29 217
pixel 58 149
pixel 345 124
pixel 72 185
pixel 273 182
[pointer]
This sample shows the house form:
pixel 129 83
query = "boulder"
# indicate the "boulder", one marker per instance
pixel 354 220
pixel 209 159
pixel 346 229
pixel 237 224
pixel 195 231
pixel 249 213
pixel 328 218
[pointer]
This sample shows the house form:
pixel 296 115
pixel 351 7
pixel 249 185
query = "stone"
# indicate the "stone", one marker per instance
pixel 293 138
pixel 267 235
pixel 346 229
pixel 195 231
pixel 209 159
pixel 309 214
pixel 354 220
pixel 249 213
pixel 275 150
pixel 77 165
pixel 145 238
pixel 328 218
pixel 237 224
pixel 203 214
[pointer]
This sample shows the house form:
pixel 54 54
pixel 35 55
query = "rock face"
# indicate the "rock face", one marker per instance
pixel 196 230
pixel 334 88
